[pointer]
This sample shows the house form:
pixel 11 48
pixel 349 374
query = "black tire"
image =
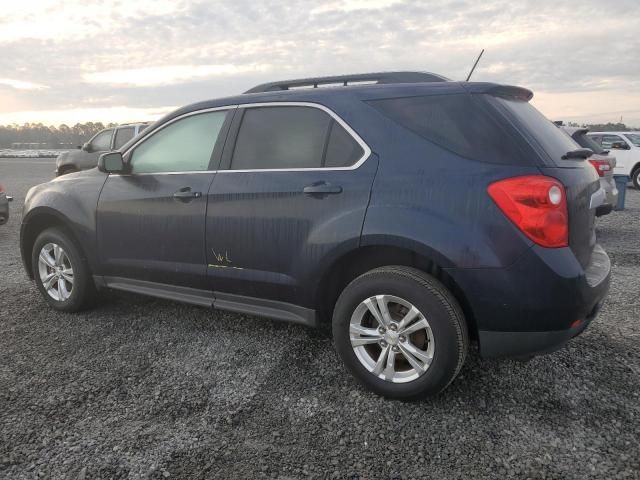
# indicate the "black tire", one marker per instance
pixel 434 301
pixel 635 178
pixel 83 292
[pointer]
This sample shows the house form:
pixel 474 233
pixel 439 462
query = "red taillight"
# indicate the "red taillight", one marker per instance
pixel 537 205
pixel 1 188
pixel 601 166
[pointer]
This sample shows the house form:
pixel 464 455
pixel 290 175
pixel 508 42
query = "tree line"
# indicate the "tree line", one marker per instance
pixel 62 136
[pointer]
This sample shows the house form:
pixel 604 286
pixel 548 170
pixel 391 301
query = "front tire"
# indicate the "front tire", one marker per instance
pixel 61 272
pixel 400 332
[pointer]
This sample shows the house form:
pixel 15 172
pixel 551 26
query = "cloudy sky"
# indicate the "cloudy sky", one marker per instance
pixel 73 61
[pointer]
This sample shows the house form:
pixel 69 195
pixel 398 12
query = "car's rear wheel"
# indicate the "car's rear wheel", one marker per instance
pixel 635 178
pixel 400 332
pixel 61 272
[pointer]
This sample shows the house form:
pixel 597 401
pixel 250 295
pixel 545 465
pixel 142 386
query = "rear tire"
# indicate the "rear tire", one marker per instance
pixel 635 178
pixel 422 362
pixel 61 272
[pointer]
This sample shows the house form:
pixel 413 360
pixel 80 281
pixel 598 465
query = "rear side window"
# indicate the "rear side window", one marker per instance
pixel 544 132
pixel 123 135
pixel 283 137
pixel 458 123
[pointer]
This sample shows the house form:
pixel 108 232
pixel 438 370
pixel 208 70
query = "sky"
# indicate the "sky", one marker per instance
pixel 124 61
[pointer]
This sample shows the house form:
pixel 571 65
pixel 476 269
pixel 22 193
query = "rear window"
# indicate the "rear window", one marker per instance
pixel 544 132
pixel 458 123
pixel 585 141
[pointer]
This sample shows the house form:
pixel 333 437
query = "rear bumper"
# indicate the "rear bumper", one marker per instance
pixel 511 344
pixel 537 304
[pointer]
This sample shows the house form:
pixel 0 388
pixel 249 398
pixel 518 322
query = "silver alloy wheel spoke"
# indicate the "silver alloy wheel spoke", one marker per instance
pixel 49 280
pixel 46 258
pixel 415 327
pixel 67 274
pixel 382 332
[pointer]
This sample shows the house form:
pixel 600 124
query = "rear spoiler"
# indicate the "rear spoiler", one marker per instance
pixel 497 90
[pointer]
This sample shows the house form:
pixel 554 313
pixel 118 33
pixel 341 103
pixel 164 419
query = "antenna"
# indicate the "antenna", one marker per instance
pixel 474 65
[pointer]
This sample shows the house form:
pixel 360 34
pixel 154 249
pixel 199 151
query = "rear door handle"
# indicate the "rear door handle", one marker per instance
pixel 186 194
pixel 322 188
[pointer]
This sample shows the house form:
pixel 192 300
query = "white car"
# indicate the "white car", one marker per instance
pixel 626 148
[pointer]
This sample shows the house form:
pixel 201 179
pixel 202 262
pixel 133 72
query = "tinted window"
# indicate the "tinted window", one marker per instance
pixel 123 135
pixel 102 141
pixel 553 141
pixel 608 140
pixel 183 146
pixel 342 149
pixel 281 137
pixel 458 123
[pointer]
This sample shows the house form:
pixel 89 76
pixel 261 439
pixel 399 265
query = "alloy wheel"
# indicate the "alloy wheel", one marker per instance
pixel 56 273
pixel 391 338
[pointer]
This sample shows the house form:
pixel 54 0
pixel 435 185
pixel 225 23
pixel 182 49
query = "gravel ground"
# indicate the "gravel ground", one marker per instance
pixel 147 388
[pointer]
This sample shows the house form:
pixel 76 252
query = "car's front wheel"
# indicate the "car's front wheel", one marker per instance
pixel 61 272
pixel 400 332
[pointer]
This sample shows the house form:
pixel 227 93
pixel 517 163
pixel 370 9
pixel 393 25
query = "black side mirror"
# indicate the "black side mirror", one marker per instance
pixel 620 146
pixel 86 147
pixel 111 162
pixel 79 147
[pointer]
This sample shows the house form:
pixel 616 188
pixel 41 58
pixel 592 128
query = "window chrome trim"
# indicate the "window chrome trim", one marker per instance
pixel 366 149
pixel 332 114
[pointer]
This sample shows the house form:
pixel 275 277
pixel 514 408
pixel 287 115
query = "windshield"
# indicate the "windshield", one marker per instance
pixel 633 138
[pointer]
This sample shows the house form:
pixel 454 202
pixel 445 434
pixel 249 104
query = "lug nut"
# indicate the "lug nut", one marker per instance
pixel 402 338
pixel 383 344
pixel 393 327
pixel 395 349
pixel 381 330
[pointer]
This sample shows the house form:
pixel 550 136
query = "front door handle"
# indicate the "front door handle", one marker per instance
pixel 186 194
pixel 322 188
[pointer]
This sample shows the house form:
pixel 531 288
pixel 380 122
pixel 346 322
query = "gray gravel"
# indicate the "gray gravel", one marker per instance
pixel 147 388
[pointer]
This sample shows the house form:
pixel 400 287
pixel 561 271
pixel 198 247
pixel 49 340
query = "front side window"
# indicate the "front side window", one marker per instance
pixel 102 141
pixel 292 137
pixel 123 135
pixel 185 145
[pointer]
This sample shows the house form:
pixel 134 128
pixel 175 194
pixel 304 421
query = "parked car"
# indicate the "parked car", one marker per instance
pixel 626 146
pixel 4 206
pixel 86 156
pixel 602 161
pixel 412 213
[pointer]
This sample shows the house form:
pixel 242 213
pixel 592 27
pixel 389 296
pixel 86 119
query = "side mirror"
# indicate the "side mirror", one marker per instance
pixel 620 146
pixel 86 147
pixel 79 147
pixel 111 162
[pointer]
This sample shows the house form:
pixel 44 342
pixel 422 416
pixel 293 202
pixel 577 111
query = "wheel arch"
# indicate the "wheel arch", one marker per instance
pixel 38 220
pixel 354 263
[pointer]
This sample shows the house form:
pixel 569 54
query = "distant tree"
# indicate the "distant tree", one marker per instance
pixel 49 136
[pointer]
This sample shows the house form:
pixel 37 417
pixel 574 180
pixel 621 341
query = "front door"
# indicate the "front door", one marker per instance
pixel 292 188
pixel 151 221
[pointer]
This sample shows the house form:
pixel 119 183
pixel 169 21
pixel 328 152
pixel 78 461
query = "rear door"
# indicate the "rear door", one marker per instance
pixel 151 222
pixel 580 179
pixel 293 187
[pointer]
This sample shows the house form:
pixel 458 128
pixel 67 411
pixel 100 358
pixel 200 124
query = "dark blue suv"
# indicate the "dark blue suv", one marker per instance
pixel 411 212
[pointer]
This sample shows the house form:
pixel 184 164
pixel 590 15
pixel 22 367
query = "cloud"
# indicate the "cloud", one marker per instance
pixel 150 53
pixel 21 84
pixel 169 74
pixel 116 114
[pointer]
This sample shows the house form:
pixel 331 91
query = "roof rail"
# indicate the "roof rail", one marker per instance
pixel 345 80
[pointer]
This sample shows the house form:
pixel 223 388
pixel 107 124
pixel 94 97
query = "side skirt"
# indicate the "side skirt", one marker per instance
pixel 219 300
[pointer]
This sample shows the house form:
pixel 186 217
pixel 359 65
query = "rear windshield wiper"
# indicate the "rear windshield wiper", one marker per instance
pixel 578 153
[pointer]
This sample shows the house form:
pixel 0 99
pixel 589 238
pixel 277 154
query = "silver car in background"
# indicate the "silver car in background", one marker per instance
pixel 107 140
pixel 602 161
